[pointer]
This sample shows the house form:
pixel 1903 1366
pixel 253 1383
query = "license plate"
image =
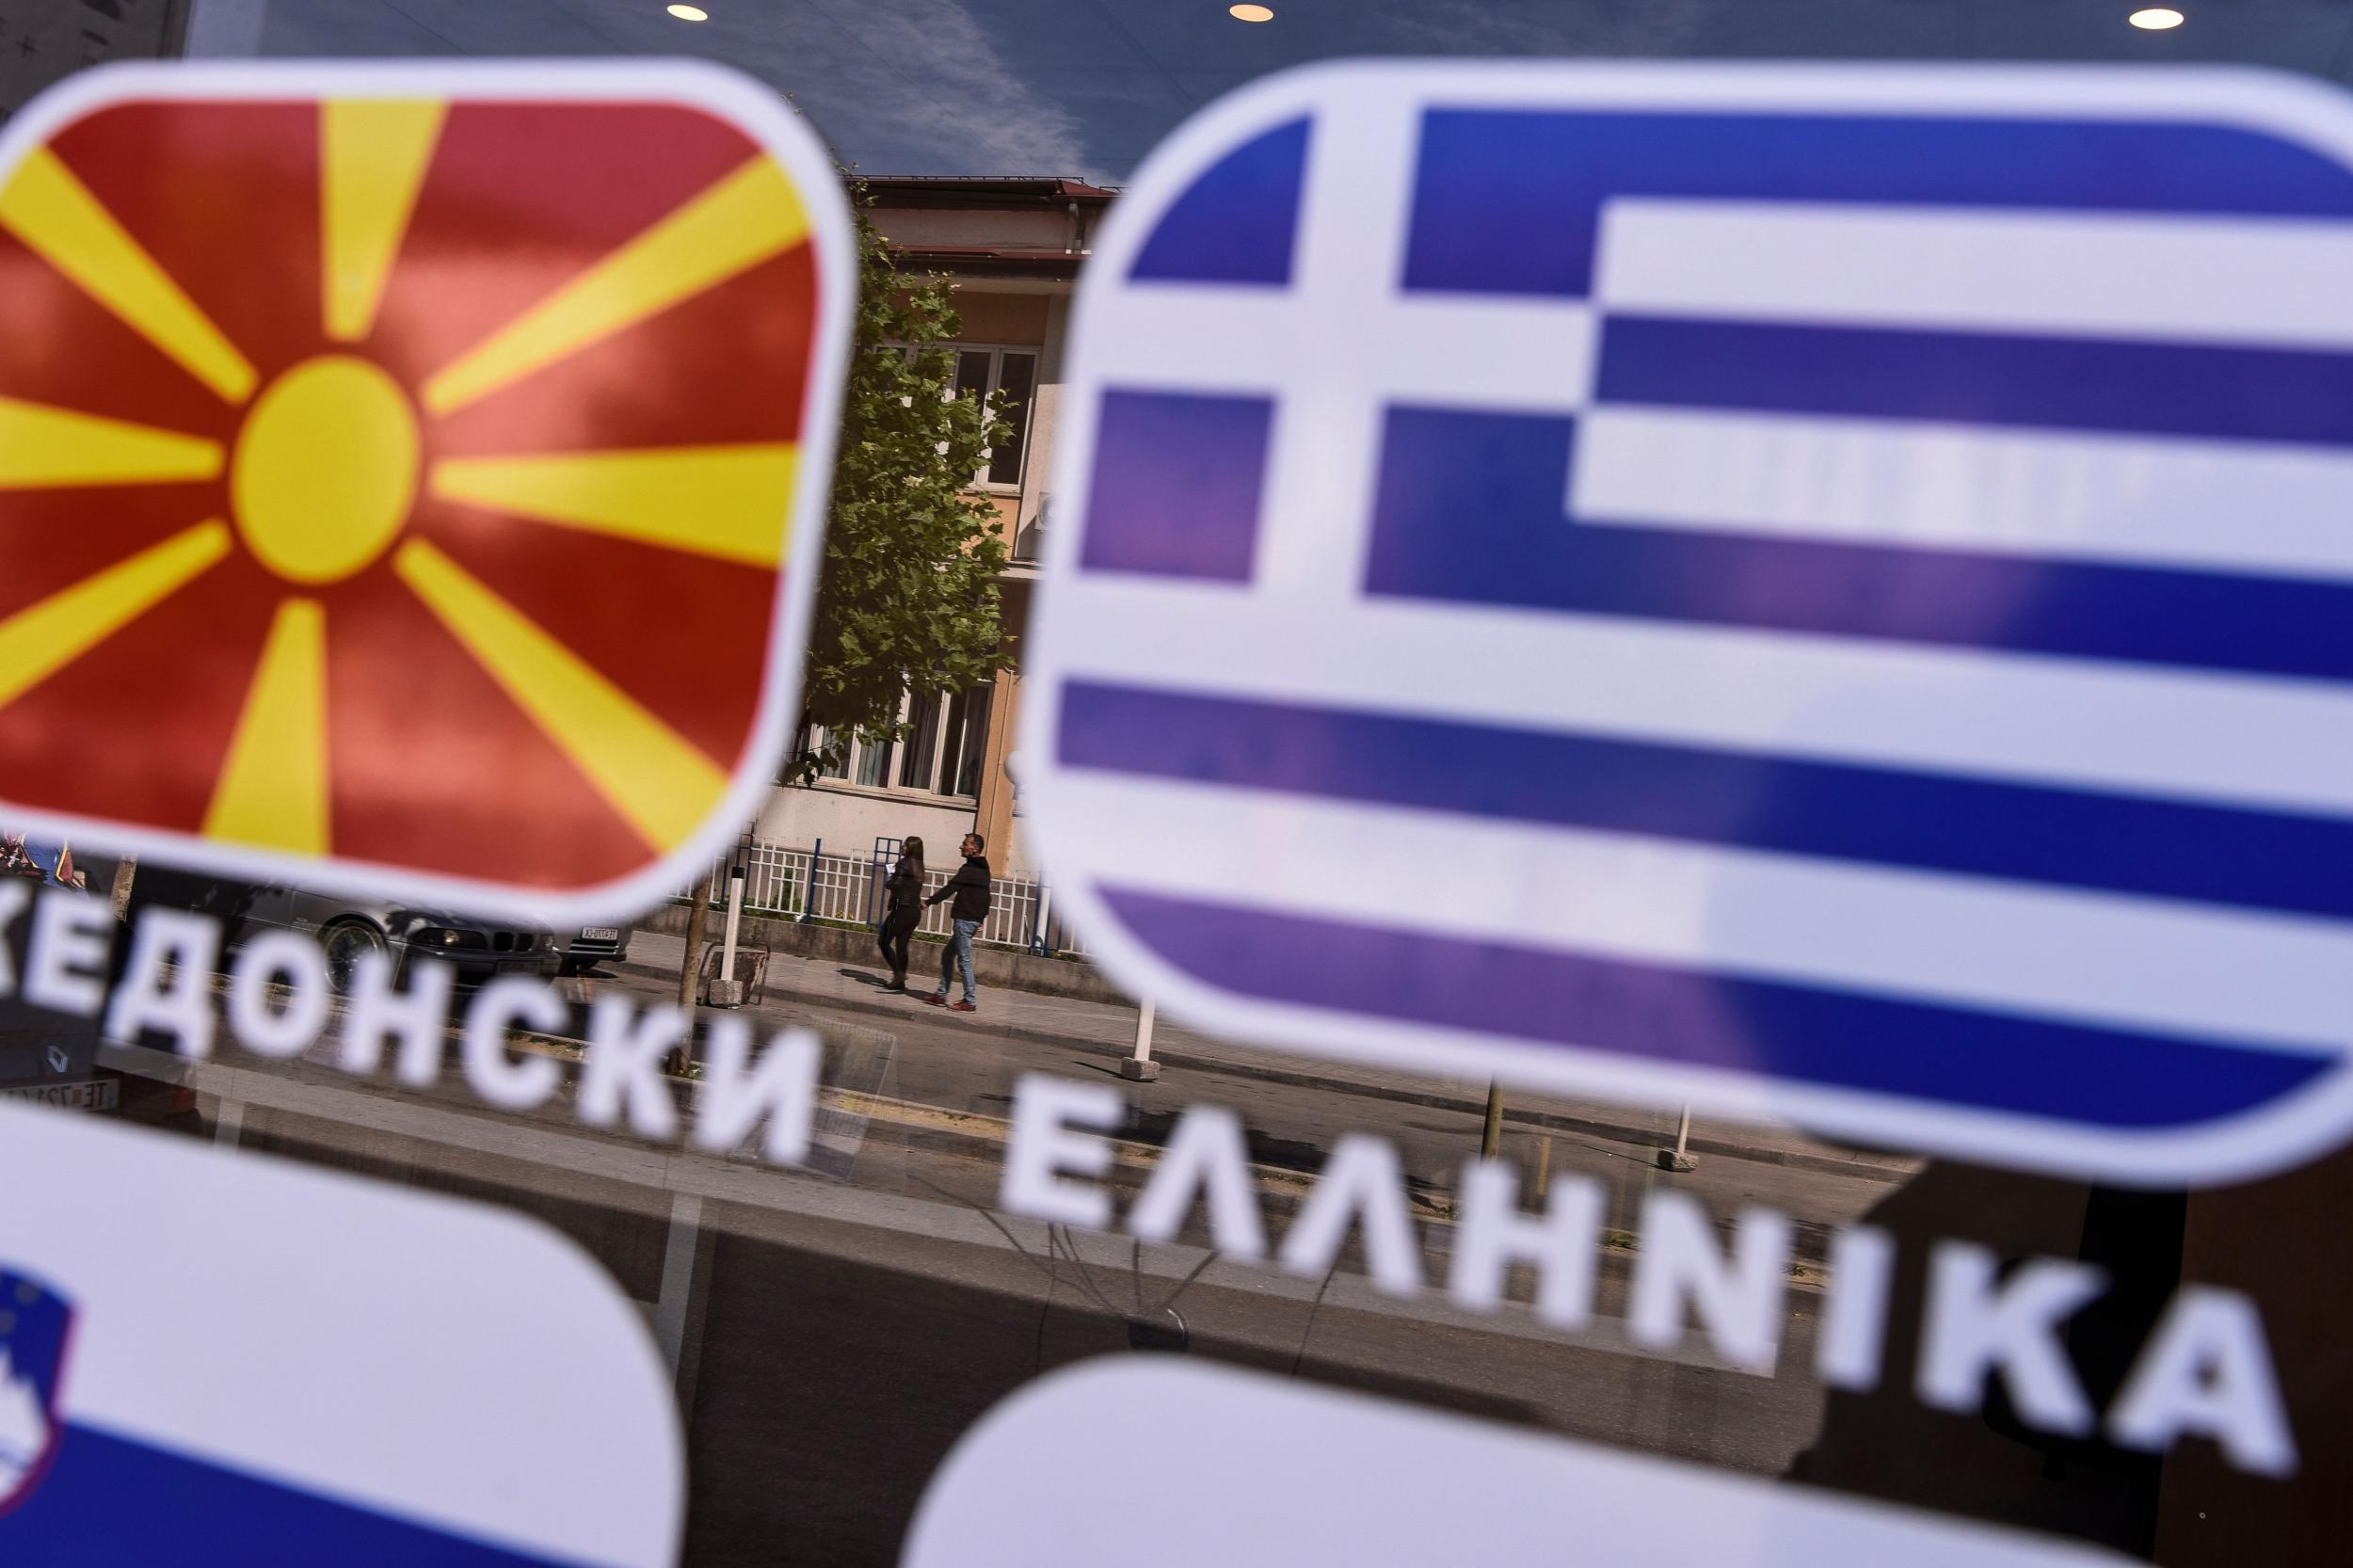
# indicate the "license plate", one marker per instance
pixel 93 1095
pixel 601 934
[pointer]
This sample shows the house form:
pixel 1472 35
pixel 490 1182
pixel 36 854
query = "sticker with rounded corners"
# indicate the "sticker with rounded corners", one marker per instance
pixel 413 475
pixel 1303 1473
pixel 207 1358
pixel 1810 592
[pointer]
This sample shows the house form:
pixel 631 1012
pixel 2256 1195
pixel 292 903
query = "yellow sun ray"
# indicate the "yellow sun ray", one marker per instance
pixel 43 638
pixel 42 446
pixel 372 157
pixel 725 500
pixel 47 207
pixel 273 788
pixel 738 222
pixel 652 775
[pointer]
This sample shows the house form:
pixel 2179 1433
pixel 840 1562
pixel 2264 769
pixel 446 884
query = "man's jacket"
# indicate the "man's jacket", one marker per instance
pixel 970 888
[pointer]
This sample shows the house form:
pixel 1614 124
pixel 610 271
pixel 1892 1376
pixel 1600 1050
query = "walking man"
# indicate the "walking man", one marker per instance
pixel 970 888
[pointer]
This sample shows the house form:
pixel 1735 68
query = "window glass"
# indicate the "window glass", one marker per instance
pixel 922 745
pixel 952 744
pixel 1016 375
pixel 1672 403
pixel 975 742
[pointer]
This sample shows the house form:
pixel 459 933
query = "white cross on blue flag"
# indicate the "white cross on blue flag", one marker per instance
pixel 1802 590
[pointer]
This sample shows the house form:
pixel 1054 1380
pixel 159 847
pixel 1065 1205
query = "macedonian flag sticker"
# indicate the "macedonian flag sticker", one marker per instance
pixel 411 477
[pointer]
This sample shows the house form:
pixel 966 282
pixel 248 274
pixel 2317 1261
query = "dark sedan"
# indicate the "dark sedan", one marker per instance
pixel 591 945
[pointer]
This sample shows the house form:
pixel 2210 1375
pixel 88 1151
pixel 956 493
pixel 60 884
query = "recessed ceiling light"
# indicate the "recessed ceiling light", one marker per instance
pixel 2156 19
pixel 690 13
pixel 1251 13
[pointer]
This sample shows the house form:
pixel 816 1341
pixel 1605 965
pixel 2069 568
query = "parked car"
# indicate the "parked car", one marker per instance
pixel 350 928
pixel 592 945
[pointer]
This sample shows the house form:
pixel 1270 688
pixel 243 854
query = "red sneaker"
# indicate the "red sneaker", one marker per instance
pixel 937 999
pixel 962 1007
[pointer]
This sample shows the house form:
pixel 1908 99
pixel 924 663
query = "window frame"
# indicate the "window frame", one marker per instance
pixel 997 352
pixel 858 757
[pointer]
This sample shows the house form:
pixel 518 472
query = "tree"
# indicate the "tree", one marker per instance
pixel 907 600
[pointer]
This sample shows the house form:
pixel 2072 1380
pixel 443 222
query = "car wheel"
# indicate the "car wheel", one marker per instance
pixel 346 943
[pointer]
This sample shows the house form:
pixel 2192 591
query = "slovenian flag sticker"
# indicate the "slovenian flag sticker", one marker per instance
pixel 210 1359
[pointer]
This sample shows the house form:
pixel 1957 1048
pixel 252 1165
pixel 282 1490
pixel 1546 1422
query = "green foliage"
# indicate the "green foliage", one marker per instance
pixel 909 597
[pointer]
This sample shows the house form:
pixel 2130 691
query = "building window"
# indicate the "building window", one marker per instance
pixel 919 756
pixel 944 753
pixel 812 736
pixel 983 369
pixel 965 745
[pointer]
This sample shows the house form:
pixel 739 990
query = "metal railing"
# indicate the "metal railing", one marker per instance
pixel 813 883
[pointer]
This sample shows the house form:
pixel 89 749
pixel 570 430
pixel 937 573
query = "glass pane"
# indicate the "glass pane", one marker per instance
pixel 922 743
pixel 972 373
pixel 1016 381
pixel 975 743
pixel 1750 1300
pixel 952 747
pixel 836 766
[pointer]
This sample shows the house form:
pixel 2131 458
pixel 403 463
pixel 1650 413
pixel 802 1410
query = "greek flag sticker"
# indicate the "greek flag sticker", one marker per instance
pixel 1809 591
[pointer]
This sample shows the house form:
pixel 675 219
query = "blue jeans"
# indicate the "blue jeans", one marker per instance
pixel 959 952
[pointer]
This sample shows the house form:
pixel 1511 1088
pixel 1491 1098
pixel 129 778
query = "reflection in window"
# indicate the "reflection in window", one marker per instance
pixel 981 371
pixel 1017 377
pixel 922 743
pixel 974 727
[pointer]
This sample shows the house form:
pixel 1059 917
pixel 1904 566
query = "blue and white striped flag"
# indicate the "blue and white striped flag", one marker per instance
pixel 1804 590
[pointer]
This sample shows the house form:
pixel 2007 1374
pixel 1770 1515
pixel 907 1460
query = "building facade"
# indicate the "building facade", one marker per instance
pixel 1014 248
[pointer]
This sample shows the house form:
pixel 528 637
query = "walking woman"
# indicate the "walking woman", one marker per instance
pixel 903 911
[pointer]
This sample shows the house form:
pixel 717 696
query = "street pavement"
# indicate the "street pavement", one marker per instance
pixel 1294 1106
pixel 834 1330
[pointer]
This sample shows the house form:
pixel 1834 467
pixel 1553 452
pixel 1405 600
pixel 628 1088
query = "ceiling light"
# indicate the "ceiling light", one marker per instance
pixel 1251 13
pixel 690 13
pixel 2156 19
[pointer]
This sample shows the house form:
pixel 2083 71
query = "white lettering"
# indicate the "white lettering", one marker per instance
pixel 1043 1151
pixel 2208 1371
pixel 263 963
pixel 622 1068
pixel 507 1081
pixel 415 1017
pixel 15 893
pixel 167 983
pixel 1979 1324
pixel 1854 1340
pixel 1491 1234
pixel 1679 1263
pixel 733 1097
pixel 1361 1183
pixel 65 961
pixel 1208 1155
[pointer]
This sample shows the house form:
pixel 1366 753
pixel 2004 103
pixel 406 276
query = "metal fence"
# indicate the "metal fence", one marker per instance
pixel 779 881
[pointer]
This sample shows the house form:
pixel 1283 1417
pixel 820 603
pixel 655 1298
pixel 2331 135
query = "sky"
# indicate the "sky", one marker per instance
pixel 1085 88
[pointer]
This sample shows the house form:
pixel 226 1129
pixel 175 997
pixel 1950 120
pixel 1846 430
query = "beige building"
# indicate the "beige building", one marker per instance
pixel 1014 247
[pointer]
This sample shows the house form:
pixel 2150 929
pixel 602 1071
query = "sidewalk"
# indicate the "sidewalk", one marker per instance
pixel 1109 1030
